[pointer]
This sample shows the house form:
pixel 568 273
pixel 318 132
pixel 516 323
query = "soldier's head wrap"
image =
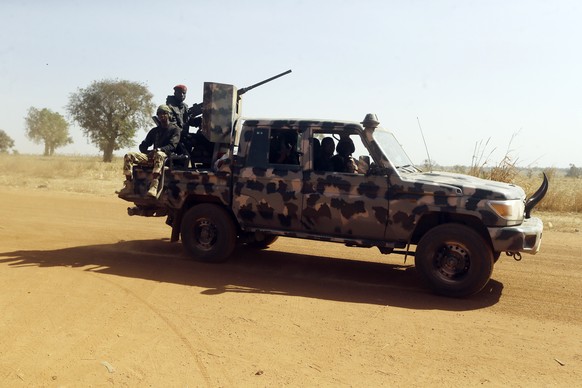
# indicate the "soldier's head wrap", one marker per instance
pixel 164 108
pixel 181 87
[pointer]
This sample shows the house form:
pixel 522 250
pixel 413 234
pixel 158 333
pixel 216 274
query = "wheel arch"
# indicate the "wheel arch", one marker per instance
pixel 432 219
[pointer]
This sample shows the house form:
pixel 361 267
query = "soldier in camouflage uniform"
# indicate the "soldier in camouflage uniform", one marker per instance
pixel 164 138
pixel 179 110
pixel 185 118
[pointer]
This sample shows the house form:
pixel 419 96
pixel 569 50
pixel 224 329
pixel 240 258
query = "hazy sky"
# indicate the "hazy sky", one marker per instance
pixel 468 71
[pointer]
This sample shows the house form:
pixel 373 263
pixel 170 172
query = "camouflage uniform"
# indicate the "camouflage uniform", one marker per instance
pixel 179 113
pixel 164 141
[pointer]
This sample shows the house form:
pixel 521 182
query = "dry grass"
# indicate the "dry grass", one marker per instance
pixel 564 194
pixel 80 174
pixel 504 171
pixel 560 221
pixel 86 174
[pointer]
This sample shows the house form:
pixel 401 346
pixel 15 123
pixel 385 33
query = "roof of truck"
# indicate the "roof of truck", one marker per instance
pixel 282 123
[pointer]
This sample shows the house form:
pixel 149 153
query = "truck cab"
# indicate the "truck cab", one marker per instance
pixel 386 202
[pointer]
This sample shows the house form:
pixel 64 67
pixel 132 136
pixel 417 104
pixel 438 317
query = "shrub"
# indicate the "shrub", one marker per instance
pixel 574 172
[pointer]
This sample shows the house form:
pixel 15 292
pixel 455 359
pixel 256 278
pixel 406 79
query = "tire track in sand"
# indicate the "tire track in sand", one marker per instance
pixel 191 349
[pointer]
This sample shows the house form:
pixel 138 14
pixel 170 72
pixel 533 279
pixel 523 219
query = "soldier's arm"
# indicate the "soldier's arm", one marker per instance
pixel 147 142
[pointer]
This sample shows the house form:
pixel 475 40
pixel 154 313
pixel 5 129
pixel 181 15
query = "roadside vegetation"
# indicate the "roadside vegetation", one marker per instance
pixel 78 174
pixel 565 187
pixel 89 174
pixel 6 142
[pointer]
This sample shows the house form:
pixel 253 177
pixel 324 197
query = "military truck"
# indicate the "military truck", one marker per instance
pixel 266 179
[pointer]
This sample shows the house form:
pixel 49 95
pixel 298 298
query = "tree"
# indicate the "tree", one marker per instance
pixel 574 172
pixel 429 165
pixel 48 127
pixel 6 142
pixel 110 112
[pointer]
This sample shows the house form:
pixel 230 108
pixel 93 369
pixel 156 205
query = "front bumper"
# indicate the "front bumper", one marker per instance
pixel 526 237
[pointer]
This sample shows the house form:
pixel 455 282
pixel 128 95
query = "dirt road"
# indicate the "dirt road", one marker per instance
pixel 92 297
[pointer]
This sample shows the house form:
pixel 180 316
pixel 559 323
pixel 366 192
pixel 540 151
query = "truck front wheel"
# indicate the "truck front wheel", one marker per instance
pixel 208 233
pixel 454 260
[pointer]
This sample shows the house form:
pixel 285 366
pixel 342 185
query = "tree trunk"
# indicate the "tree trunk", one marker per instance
pixel 46 149
pixel 108 152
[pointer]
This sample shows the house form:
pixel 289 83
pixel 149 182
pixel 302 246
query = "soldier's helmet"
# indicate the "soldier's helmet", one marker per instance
pixel 164 108
pixel 371 120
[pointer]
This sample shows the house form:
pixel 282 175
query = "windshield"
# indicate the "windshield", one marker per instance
pixel 392 149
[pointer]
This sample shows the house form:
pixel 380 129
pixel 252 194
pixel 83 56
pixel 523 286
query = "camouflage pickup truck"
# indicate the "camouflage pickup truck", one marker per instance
pixel 269 178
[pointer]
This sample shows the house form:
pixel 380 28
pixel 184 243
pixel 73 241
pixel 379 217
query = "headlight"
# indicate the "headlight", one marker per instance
pixel 511 210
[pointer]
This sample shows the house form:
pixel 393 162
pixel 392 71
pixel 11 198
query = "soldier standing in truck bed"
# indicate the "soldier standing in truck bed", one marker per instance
pixel 194 145
pixel 179 109
pixel 164 138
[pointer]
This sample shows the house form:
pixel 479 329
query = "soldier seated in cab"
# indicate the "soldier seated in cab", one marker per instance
pixel 343 160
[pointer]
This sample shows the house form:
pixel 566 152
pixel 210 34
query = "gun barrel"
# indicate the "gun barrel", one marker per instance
pixel 244 90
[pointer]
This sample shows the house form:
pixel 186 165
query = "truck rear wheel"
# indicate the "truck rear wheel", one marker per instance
pixel 208 233
pixel 454 259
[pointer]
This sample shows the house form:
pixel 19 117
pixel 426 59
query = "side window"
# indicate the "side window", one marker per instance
pixel 346 153
pixel 259 148
pixel 284 147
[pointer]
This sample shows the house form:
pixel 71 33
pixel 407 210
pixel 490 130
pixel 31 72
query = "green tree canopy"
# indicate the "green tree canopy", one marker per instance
pixel 110 112
pixel 6 141
pixel 48 127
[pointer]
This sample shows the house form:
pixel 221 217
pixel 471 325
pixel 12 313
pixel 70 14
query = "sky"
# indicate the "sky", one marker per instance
pixel 504 77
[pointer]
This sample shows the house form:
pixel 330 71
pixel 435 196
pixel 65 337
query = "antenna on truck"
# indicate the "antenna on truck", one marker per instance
pixel 425 146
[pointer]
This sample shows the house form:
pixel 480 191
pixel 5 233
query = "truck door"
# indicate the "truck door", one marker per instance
pixel 267 186
pixel 340 202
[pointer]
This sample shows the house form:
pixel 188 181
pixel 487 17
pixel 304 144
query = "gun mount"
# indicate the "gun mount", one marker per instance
pixel 221 107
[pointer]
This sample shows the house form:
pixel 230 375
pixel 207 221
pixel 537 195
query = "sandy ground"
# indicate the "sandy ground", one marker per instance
pixel 92 297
